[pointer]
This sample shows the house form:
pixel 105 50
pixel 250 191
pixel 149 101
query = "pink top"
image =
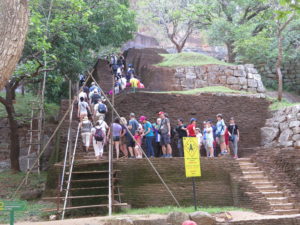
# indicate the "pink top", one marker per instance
pixel 138 138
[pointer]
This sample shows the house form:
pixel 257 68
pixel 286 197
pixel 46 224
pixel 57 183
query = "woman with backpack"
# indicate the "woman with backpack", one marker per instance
pixel 86 128
pixel 234 136
pixel 99 138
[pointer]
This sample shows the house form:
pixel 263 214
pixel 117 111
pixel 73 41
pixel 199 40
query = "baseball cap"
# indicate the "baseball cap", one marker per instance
pixel 160 113
pixel 93 83
pixel 132 114
pixel 193 119
pixel 142 118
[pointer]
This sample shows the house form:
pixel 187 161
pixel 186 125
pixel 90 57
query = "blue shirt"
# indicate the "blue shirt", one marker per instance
pixel 92 88
pixel 148 125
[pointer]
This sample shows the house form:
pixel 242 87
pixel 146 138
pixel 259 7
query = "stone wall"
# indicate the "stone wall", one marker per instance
pixel 220 184
pixel 241 77
pixel 290 71
pixel 283 128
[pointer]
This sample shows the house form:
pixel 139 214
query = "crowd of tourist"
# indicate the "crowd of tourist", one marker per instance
pixel 128 136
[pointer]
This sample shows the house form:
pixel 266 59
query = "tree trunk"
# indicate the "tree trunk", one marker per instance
pixel 278 66
pixel 230 52
pixel 13 23
pixel 14 133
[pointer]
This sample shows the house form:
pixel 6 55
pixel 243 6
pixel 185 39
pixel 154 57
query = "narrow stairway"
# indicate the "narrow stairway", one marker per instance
pixel 277 199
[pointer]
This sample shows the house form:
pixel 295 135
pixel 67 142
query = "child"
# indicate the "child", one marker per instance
pixel 209 139
pixel 137 150
pixel 199 137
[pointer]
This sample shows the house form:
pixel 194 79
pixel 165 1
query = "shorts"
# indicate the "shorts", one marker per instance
pixel 165 139
pixel 130 142
pixel 209 143
pixel 116 138
pixel 221 139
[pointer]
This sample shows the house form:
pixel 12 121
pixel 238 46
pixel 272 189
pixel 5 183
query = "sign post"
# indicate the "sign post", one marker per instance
pixel 192 162
pixel 11 207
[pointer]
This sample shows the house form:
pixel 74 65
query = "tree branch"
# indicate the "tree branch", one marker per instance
pixel 3 101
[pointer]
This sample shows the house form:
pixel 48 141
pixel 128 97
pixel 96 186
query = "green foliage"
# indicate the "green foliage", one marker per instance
pixel 188 59
pixel 168 209
pixel 9 182
pixel 23 108
pixel 210 89
pixel 276 105
pixel 68 36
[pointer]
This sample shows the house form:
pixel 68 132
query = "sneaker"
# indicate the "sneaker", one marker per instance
pixel 235 157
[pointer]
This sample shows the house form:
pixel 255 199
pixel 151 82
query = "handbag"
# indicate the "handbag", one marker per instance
pixel 231 137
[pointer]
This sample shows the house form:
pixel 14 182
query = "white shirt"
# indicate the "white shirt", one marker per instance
pixel 82 94
pixel 209 133
pixel 199 137
pixel 103 125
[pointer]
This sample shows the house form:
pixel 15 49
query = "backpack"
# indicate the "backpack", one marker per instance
pixel 99 135
pixel 95 98
pixel 102 108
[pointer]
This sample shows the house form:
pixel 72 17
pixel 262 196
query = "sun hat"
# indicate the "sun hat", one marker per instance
pixel 220 115
pixel 93 83
pixel 193 119
pixel 189 222
pixel 143 118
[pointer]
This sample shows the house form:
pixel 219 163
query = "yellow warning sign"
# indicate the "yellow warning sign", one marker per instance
pixel 191 157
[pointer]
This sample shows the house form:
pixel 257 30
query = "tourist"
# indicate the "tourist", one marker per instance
pixel 116 134
pixel 191 128
pixel 83 108
pixel 86 90
pixel 149 134
pixel 226 136
pixel 101 109
pixel 86 128
pixel 81 79
pixel 133 127
pixel 165 131
pixel 220 132
pixel 134 83
pixel 99 137
pixel 123 145
pixel 199 137
pixel 181 132
pixel 209 140
pixel 113 60
pixel 93 87
pixel 204 138
pixel 130 72
pixel 83 95
pixel 234 134
pixel 157 146
pixel 137 148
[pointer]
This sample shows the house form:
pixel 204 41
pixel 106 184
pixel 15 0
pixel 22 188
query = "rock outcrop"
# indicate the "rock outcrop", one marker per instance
pixel 283 129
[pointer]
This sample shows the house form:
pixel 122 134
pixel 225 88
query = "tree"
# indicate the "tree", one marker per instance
pixel 13 23
pixel 229 21
pixel 173 17
pixel 63 40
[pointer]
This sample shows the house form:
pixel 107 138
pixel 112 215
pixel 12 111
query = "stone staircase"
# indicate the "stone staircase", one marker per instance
pixel 278 199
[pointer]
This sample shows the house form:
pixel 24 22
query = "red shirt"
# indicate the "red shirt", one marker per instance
pixel 191 130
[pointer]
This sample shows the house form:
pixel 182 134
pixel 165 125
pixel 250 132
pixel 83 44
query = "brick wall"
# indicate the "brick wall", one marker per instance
pixel 220 184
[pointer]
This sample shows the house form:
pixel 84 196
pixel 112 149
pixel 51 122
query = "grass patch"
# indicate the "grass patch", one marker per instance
pixel 23 107
pixel 9 182
pixel 188 59
pixel 276 105
pixel 210 89
pixel 167 209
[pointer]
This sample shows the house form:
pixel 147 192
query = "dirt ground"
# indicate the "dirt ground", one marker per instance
pixel 236 216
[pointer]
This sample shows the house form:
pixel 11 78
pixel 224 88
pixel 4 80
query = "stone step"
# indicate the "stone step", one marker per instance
pixel 286 211
pixel 247 164
pixel 278 200
pixel 264 185
pixel 257 179
pixel 250 168
pixel 261 173
pixel 244 160
pixel 282 206
pixel 272 194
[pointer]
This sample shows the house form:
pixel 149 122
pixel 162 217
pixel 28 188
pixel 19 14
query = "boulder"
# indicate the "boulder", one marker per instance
pixel 268 134
pixel 119 221
pixel 296 137
pixel 285 137
pixel 298 116
pixel 31 195
pixel 252 83
pixel 260 87
pixel 242 80
pixel 296 130
pixel 293 124
pixel 203 218
pixel 280 118
pixel 177 218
